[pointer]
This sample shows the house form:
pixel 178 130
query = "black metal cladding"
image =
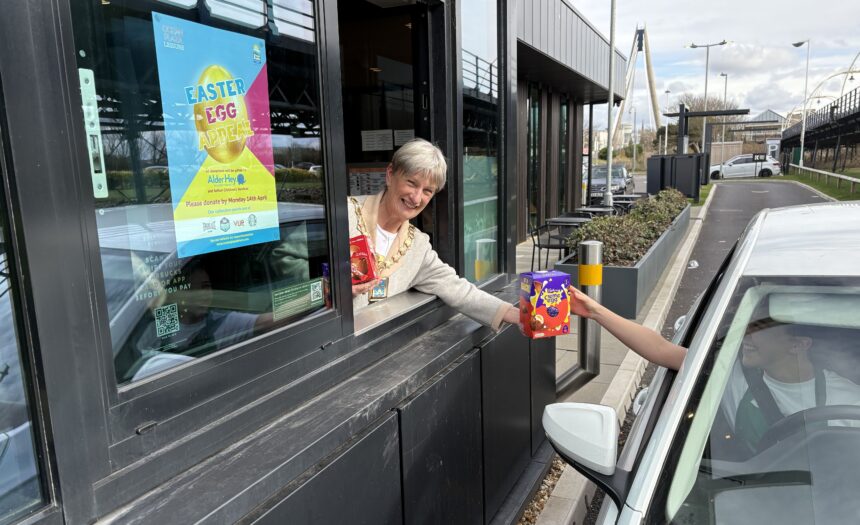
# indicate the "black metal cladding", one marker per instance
pixel 115 445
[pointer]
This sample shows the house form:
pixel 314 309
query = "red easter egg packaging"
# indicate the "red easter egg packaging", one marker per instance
pixel 545 303
pixel 361 260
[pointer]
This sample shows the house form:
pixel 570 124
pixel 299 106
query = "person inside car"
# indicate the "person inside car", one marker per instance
pixel 775 376
pixel 404 257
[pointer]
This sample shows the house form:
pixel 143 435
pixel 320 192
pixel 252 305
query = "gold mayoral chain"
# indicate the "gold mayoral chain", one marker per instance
pixel 384 263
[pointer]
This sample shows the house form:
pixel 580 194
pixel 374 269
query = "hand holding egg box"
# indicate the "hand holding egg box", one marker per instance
pixel 362 262
pixel 544 303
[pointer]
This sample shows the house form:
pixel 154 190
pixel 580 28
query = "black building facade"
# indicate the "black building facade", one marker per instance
pixel 176 356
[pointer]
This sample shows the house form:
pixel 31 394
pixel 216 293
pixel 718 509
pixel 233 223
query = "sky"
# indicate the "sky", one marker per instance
pixel 764 70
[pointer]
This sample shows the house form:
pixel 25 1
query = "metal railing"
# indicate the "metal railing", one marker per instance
pixel 480 75
pixel 818 174
pixel 847 105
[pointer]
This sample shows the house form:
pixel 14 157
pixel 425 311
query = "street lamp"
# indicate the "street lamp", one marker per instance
pixel 707 64
pixel 847 78
pixel 805 86
pixel 723 139
pixel 666 129
pixel 607 193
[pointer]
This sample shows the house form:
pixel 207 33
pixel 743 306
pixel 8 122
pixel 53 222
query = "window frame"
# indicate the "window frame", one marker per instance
pixel 133 438
pixel 118 422
pixel 26 338
pixel 135 407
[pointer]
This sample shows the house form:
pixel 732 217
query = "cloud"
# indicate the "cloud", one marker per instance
pixel 765 71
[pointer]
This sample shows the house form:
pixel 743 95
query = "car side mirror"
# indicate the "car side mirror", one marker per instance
pixel 583 434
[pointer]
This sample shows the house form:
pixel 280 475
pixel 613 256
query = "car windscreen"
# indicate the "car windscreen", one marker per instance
pixel 598 175
pixel 772 430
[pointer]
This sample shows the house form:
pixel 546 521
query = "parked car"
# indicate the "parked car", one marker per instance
pixel 139 261
pixel 622 181
pixel 762 422
pixel 745 166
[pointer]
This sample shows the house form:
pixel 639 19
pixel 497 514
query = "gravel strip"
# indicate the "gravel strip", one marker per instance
pixel 535 506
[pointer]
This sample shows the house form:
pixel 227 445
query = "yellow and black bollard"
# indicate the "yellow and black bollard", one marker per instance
pixel 590 258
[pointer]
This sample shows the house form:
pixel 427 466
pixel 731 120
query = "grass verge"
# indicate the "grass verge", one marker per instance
pixel 703 194
pixel 842 193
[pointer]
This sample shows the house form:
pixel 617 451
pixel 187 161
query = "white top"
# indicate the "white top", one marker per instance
pixel 793 397
pixel 384 239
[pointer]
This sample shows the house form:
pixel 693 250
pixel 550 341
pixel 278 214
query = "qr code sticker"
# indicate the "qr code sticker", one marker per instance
pixel 316 291
pixel 166 320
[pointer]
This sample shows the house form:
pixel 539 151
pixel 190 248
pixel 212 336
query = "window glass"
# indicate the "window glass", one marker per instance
pixel 533 165
pixel 20 486
pixel 563 163
pixel 204 139
pixel 480 138
pixel 777 419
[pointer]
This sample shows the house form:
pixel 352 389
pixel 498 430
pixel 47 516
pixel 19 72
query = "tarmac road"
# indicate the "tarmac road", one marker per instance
pixel 732 207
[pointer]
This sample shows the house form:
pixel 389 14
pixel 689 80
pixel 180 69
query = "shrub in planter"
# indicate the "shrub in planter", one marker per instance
pixel 626 238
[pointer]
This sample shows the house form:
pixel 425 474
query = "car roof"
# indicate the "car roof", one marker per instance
pixel 809 240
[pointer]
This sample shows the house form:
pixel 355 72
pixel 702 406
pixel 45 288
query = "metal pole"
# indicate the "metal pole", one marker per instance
pixel 723 139
pixel 803 113
pixel 707 65
pixel 607 193
pixel 590 259
pixel 586 200
pixel 666 129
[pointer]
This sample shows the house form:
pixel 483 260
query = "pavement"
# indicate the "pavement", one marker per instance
pixel 620 370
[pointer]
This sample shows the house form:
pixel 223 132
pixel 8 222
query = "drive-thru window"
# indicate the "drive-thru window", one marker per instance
pixel 179 342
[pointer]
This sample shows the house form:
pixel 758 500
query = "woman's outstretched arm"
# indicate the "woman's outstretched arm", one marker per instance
pixel 644 341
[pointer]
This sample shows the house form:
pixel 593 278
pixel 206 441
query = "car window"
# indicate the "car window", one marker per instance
pixel 777 415
pixel 208 179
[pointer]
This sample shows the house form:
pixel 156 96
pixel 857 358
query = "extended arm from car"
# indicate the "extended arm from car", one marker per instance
pixel 644 341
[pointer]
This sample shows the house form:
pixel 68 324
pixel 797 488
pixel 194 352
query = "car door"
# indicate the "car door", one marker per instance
pixel 738 167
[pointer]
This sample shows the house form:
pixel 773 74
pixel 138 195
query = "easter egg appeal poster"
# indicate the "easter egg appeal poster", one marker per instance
pixel 215 98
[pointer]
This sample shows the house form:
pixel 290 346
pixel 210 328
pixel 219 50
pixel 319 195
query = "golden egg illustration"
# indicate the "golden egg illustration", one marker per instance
pixel 220 114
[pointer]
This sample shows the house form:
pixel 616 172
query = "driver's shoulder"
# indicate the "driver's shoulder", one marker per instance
pixel 841 390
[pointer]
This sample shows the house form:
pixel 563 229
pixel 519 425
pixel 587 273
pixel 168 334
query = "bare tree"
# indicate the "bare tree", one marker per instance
pixel 697 103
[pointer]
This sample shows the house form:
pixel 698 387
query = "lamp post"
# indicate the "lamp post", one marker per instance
pixel 607 193
pixel 803 113
pixel 723 138
pixel 707 64
pixel 847 78
pixel 666 129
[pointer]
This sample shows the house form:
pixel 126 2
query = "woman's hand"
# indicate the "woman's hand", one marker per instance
pixel 644 341
pixel 358 289
pixel 512 315
pixel 581 304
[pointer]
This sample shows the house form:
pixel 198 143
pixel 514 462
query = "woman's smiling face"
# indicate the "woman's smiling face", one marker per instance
pixel 408 194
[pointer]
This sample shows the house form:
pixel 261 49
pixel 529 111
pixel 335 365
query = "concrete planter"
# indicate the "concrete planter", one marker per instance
pixel 625 288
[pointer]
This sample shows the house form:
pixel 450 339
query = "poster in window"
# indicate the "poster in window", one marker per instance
pixel 215 100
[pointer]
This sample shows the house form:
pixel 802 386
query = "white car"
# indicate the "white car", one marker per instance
pixel 745 166
pixel 762 422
